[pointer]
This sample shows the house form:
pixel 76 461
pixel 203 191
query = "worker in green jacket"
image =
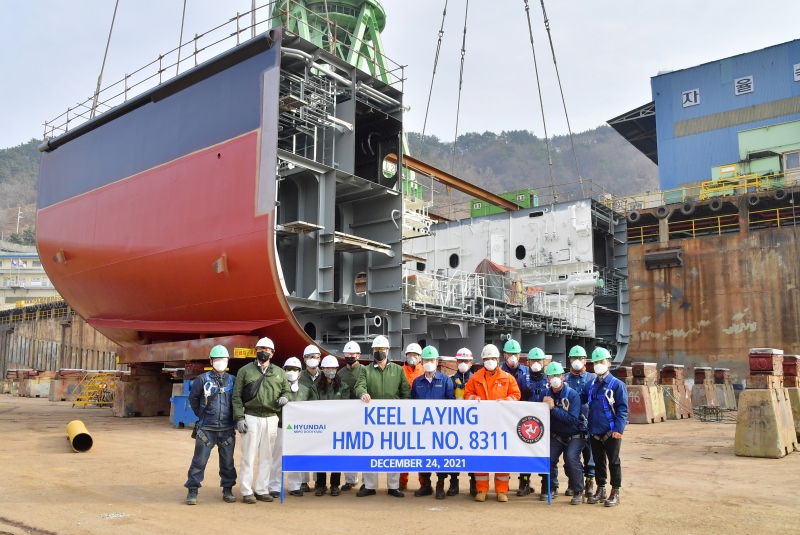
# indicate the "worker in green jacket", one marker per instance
pixel 349 374
pixel 311 375
pixel 382 380
pixel 330 387
pixel 257 418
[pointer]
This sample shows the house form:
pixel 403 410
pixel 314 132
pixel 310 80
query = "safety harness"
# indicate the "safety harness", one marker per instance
pixel 607 396
pixel 565 405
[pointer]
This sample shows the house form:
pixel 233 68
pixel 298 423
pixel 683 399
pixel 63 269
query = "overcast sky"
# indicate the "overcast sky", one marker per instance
pixel 51 52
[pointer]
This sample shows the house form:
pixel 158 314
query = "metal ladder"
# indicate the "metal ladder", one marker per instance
pixel 96 389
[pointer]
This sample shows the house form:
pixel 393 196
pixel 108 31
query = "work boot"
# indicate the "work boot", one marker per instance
pixel 227 495
pixel 321 491
pixel 568 492
pixel 440 490
pixel 275 494
pixel 588 487
pixel 396 493
pixel 480 496
pixel 191 498
pixel 424 490
pixel 347 486
pixel 366 492
pixel 453 490
pixel 264 497
pixel 403 486
pixel 305 488
pixel 524 487
pixel 599 496
pixel 335 491
pixel 613 498
pixel 502 497
pixel 473 487
pixel 297 493
pixel 577 498
pixel 543 493
pixel 250 499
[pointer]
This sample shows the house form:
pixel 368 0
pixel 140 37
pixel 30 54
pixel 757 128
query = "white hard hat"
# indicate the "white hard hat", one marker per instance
pixel 414 348
pixel 330 362
pixel 381 341
pixel 464 354
pixel 266 342
pixel 490 351
pixel 311 350
pixel 352 347
pixel 292 362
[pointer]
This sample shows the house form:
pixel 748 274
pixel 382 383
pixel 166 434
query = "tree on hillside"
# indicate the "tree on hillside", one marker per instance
pixel 26 237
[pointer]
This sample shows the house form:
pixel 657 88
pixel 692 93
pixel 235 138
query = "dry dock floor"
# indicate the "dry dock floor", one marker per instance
pixel 678 477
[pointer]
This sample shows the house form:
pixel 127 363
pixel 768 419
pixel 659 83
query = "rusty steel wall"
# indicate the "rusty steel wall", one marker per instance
pixel 732 293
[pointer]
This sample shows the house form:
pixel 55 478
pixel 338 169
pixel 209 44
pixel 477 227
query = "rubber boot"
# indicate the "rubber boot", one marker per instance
pixel 599 496
pixel 227 495
pixel 440 490
pixel 453 490
pixel 424 490
pixel 588 487
pixel 191 498
pixel 613 498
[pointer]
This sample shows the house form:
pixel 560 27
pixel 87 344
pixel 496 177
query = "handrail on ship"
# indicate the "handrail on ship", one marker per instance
pixel 227 35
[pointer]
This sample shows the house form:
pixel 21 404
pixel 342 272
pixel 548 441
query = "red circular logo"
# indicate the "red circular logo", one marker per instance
pixel 530 429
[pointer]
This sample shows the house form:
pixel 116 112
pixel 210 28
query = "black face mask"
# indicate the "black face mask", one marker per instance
pixel 350 360
pixel 537 376
pixel 380 356
pixel 262 356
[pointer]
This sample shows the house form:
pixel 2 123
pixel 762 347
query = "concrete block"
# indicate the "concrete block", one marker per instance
pixel 725 396
pixel 794 400
pixel 142 398
pixel 677 403
pixel 765 381
pixel 640 405
pixel 6 386
pixel 761 424
pixel 38 389
pixel 787 419
pixel 13 388
pixel 704 393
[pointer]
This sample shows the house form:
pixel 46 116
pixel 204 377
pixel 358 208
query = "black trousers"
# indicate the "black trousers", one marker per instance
pixel 607 452
pixel 336 479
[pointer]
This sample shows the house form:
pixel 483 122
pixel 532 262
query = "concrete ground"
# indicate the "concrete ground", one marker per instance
pixel 678 477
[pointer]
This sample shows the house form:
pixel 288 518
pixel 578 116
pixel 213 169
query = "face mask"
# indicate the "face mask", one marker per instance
pixel 262 356
pixel 350 360
pixel 512 362
pixel 380 356
pixel 536 367
pixel 577 365
pixel 220 364
pixel 463 367
pixel 600 369
pixel 292 376
pixel 490 365
pixel 429 366
pixel 329 374
pixel 556 382
pixel 312 363
pixel 412 361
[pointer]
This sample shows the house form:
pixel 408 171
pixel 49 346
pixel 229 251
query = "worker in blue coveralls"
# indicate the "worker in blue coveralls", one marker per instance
pixel 535 391
pixel 511 351
pixel 210 399
pixel 580 380
pixel 432 385
pixel 608 414
pixel 567 431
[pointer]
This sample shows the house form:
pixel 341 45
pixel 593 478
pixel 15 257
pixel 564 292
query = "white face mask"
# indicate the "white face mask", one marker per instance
pixel 463 367
pixel 292 376
pixel 556 382
pixel 429 366
pixel 412 361
pixel 536 366
pixel 329 374
pixel 512 362
pixel 600 369
pixel 490 365
pixel 312 363
pixel 577 365
pixel 220 364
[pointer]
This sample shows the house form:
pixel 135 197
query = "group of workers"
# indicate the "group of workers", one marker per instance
pixel 588 414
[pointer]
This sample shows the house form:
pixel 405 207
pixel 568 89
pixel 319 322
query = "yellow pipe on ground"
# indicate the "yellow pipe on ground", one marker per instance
pixel 79 437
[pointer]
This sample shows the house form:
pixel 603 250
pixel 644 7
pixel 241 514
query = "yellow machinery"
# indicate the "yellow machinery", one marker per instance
pixel 79 438
pixel 96 388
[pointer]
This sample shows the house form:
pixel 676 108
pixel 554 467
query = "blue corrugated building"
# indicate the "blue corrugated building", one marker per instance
pixel 697 113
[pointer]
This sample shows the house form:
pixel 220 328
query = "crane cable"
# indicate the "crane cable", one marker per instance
pixel 541 103
pixel 461 83
pixel 433 76
pixel 180 40
pixel 102 68
pixel 561 90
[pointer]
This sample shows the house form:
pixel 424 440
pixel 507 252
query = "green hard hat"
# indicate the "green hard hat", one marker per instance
pixel 554 368
pixel 219 352
pixel 535 354
pixel 600 353
pixel 577 352
pixel 512 346
pixel 430 352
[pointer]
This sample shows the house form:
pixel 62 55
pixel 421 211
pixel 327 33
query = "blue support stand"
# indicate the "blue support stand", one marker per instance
pixel 283 475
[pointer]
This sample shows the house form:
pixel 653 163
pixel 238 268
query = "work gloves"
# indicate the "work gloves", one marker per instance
pixel 241 426
pixel 282 401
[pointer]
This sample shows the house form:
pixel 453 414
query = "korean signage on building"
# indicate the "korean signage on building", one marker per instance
pixel 743 85
pixel 796 70
pixel 690 98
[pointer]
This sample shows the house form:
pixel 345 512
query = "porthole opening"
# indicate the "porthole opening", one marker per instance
pixel 454 260
pixel 520 253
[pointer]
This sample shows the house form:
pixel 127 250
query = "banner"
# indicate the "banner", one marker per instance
pixel 416 436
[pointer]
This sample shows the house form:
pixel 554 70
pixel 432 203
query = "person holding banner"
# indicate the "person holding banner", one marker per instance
pixel 580 380
pixel 259 392
pixel 381 380
pixel 567 431
pixel 432 385
pixel 413 369
pixel 608 414
pixel 297 392
pixel 492 384
pixel 537 389
pixel 511 365
pixel 330 387
pixel 349 374
pixel 460 380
